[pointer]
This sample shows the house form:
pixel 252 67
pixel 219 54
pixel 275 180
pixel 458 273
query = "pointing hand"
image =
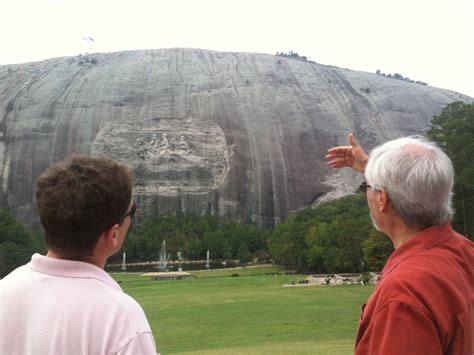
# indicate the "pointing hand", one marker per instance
pixel 352 156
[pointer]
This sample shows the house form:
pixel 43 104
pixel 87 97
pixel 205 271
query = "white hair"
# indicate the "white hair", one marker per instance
pixel 418 177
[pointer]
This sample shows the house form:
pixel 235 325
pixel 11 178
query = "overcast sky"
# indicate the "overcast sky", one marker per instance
pixel 428 40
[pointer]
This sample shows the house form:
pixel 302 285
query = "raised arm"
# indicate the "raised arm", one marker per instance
pixel 352 156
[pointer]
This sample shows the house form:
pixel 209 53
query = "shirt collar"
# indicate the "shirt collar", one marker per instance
pixel 70 268
pixel 426 239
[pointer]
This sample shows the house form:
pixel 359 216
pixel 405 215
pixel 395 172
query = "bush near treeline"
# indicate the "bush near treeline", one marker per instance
pixel 337 236
pixel 17 243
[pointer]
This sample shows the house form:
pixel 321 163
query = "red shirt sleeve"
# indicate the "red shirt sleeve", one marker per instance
pixel 399 328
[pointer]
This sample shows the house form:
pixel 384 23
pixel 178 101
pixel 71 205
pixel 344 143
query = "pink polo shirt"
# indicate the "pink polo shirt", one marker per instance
pixel 55 306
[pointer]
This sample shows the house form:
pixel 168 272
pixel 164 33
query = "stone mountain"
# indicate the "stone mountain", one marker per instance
pixel 240 135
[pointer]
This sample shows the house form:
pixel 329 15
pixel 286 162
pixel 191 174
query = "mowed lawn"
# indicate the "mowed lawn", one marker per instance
pixel 249 314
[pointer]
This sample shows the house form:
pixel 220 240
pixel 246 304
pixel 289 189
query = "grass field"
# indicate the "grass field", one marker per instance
pixel 249 314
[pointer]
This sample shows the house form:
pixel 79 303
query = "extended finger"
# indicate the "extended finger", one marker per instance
pixel 337 166
pixel 339 150
pixel 338 161
pixel 331 157
pixel 353 141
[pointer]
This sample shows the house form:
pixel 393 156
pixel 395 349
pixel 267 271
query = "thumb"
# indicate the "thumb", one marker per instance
pixel 353 141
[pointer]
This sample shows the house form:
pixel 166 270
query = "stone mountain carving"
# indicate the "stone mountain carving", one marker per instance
pixel 166 165
pixel 240 135
pixel 156 148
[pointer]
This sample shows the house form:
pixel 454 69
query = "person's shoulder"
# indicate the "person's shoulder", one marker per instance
pixel 433 265
pixel 400 288
pixel 464 241
pixel 132 310
pixel 439 273
pixel 15 276
pixel 463 249
pixel 404 281
pixel 455 253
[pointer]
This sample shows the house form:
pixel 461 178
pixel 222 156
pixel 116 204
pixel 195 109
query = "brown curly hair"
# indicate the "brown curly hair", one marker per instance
pixel 78 199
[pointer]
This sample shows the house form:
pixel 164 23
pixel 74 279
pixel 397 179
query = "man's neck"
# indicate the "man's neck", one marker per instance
pixel 99 262
pixel 399 233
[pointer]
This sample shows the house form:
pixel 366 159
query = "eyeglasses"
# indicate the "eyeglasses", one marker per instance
pixel 132 211
pixel 363 187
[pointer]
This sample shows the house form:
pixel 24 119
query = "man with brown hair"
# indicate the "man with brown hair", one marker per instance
pixel 64 302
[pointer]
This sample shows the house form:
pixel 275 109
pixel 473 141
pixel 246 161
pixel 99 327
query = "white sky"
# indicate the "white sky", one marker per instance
pixel 428 40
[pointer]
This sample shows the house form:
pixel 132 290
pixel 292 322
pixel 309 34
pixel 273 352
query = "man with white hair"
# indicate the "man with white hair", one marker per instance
pixel 423 302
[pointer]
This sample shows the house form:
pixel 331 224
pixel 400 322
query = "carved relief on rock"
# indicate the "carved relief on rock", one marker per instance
pixel 169 156
pixel 158 147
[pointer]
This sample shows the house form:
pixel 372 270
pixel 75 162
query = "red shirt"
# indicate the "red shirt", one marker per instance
pixel 424 300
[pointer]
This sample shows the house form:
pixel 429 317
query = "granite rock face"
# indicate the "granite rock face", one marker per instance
pixel 241 135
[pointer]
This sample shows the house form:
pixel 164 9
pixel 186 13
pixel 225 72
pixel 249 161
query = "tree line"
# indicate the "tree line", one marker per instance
pixel 191 235
pixel 399 76
pixel 294 55
pixel 335 237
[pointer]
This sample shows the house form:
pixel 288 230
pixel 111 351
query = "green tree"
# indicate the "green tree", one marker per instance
pixel 215 242
pixel 192 235
pixel 453 130
pixel 316 239
pixel 287 245
pixel 195 249
pixel 376 249
pixel 17 244
pixel 326 239
pixel 244 253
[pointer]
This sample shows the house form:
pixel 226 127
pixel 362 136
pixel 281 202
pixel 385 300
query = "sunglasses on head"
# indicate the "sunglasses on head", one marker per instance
pixel 132 211
pixel 363 187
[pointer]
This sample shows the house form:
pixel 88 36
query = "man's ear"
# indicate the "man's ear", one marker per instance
pixel 383 200
pixel 110 236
